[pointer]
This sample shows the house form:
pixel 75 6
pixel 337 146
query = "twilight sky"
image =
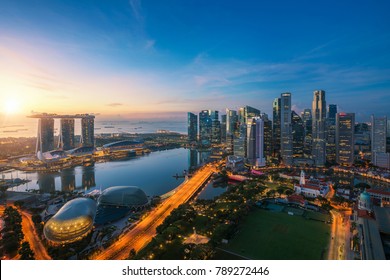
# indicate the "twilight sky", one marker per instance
pixel 134 58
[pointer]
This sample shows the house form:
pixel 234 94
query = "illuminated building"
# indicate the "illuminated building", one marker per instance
pixel 66 141
pixel 319 117
pixel 298 135
pixel 286 129
pixel 205 127
pixel 331 134
pixel 192 126
pixel 72 222
pixel 378 134
pixel 345 126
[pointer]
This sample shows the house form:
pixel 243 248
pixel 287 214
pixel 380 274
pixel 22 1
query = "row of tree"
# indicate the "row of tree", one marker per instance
pixel 12 235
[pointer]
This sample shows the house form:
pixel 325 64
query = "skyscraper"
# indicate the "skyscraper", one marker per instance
pixel 276 131
pixel 255 141
pixel 205 127
pixel 267 136
pixel 378 134
pixel 331 134
pixel 45 138
pixel 240 135
pixel 215 131
pixel 332 111
pixel 66 137
pixel 286 129
pixel 345 126
pixel 192 126
pixel 298 134
pixel 231 128
pixel 88 131
pixel 319 117
pixel 223 128
pixel 308 123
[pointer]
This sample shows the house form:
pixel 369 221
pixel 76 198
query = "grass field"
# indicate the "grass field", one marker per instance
pixel 272 235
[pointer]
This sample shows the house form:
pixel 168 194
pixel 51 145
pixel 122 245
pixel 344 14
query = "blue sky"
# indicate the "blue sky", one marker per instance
pixel 135 58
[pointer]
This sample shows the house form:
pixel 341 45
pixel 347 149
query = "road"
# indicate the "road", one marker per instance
pixel 339 247
pixel 32 237
pixel 145 230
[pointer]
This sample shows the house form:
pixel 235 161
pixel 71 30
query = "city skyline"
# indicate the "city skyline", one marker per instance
pixel 141 59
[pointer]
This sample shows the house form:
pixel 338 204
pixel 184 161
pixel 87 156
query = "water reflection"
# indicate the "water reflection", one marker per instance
pixel 88 176
pixel 68 180
pixel 46 182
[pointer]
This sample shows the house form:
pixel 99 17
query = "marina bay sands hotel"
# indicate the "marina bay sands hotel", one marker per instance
pixel 45 138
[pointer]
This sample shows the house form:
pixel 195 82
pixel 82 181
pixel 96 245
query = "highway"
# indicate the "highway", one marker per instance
pixel 145 230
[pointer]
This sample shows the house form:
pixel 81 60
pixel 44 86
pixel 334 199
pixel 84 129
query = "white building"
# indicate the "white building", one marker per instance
pixel 311 187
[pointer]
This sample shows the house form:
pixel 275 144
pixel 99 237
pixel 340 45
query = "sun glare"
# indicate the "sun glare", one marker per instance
pixel 11 106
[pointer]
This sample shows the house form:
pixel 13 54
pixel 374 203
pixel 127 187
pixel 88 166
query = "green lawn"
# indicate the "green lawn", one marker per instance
pixel 271 235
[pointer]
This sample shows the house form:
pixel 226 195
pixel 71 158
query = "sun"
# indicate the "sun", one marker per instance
pixel 11 106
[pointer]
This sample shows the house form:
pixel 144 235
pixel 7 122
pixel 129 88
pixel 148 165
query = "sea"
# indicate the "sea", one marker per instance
pixel 29 127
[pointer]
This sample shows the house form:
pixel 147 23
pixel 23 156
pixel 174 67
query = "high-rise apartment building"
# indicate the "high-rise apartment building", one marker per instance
pixel 345 127
pixel 192 127
pixel 286 129
pixel 318 124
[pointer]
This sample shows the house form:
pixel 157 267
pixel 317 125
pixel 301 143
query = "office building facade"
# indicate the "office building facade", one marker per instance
pixel 345 128
pixel 318 128
pixel 286 129
pixel 192 127
pixel 255 141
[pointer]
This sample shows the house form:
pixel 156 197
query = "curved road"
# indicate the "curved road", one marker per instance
pixel 32 237
pixel 145 230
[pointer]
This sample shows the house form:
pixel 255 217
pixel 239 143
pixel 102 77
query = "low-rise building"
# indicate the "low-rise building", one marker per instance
pixel 311 188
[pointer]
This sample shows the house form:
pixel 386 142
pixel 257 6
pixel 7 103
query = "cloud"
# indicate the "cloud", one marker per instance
pixel 137 10
pixel 115 104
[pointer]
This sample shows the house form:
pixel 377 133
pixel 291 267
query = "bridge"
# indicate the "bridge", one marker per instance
pixel 145 230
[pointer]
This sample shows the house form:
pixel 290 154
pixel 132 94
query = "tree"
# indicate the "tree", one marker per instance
pixel 25 252
pixel 36 218
pixel 132 254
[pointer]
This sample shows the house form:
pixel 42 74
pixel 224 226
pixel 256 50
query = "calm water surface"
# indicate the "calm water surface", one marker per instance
pixel 153 173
